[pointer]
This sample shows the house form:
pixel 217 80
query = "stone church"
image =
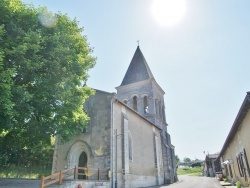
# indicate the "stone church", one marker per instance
pixel 127 133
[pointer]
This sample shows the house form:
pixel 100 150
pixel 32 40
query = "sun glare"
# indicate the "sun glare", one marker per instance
pixel 168 12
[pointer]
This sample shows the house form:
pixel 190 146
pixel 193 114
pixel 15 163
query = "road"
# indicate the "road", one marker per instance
pixel 186 181
pixel 19 183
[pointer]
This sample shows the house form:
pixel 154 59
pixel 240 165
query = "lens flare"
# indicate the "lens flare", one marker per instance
pixel 99 151
pixel 47 19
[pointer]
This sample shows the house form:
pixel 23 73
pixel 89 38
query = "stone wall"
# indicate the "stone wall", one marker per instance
pixel 142 169
pixel 95 142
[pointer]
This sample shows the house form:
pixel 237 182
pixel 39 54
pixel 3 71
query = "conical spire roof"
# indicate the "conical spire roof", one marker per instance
pixel 138 69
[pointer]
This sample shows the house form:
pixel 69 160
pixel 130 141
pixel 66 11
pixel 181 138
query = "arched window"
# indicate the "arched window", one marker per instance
pixel 145 104
pixel 135 103
pixel 156 106
pixel 130 149
pixel 160 112
pixel 163 113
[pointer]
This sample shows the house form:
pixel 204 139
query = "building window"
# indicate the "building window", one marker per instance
pixel 160 112
pixel 243 164
pixel 163 113
pixel 155 151
pixel 124 144
pixel 239 166
pixel 247 164
pixel 135 103
pixel 84 130
pixel 130 145
pixel 242 168
pixel 145 104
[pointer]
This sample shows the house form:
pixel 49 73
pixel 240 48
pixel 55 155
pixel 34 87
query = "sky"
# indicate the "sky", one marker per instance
pixel 202 62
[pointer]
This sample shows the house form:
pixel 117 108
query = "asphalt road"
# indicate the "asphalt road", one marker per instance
pixel 19 183
pixel 186 181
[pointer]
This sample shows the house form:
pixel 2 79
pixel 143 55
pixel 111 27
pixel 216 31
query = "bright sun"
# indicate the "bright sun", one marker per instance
pixel 168 12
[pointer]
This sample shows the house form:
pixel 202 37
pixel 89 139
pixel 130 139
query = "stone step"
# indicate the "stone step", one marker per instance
pixel 35 183
pixel 84 184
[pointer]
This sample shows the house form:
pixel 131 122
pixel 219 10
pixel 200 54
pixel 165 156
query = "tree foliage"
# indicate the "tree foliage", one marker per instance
pixel 177 159
pixel 44 63
pixel 186 159
pixel 194 164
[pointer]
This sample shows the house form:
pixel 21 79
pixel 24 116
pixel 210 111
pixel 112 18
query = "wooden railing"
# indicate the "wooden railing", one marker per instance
pixel 88 173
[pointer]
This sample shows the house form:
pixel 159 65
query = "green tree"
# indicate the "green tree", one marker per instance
pixel 177 159
pixel 186 159
pixel 6 83
pixel 196 164
pixel 44 64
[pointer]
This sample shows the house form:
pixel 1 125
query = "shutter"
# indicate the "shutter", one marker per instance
pixel 239 168
pixel 245 156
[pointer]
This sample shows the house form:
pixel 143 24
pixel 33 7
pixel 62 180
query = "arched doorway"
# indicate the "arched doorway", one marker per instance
pixel 83 160
pixel 76 151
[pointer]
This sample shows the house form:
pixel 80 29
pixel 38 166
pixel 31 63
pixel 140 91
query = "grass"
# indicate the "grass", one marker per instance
pixel 195 171
pixel 36 172
pixel 23 172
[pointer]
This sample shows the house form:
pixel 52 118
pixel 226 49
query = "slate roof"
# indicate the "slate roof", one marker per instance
pixel 138 69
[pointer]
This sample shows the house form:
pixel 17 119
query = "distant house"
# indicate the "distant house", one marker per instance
pixel 197 162
pixel 235 153
pixel 211 166
pixel 184 165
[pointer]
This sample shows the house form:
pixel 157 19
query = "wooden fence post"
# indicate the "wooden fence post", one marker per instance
pixel 87 173
pixel 42 182
pixel 60 178
pixel 76 170
pixel 98 173
pixel 108 174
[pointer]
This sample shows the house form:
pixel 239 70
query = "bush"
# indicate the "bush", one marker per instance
pixel 13 171
pixel 238 184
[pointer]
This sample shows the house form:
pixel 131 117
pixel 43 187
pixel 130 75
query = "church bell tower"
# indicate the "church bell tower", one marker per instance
pixel 140 91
